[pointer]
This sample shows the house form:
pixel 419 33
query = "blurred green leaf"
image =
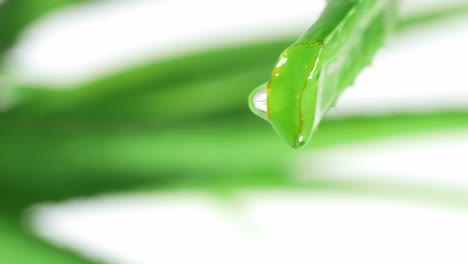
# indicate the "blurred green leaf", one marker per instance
pixel 49 159
pixel 189 85
pixel 182 122
pixel 434 16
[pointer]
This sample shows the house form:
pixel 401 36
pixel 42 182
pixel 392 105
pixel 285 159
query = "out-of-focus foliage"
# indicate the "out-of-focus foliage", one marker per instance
pixel 15 15
pixel 434 16
pixel 182 123
pixel 149 127
pixel 184 119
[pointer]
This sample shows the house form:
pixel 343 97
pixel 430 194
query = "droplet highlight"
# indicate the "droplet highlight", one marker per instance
pixel 258 102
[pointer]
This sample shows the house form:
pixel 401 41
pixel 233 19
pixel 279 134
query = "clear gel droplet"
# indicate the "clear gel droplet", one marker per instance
pixel 258 102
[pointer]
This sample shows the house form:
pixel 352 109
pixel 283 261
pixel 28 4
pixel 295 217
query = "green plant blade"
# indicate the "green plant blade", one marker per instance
pixel 311 74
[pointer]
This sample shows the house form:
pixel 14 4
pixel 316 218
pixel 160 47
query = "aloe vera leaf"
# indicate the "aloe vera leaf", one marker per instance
pixel 47 160
pixel 168 102
pixel 66 159
pixel 104 183
pixel 432 16
pixel 311 74
pixel 131 88
pixel 168 82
